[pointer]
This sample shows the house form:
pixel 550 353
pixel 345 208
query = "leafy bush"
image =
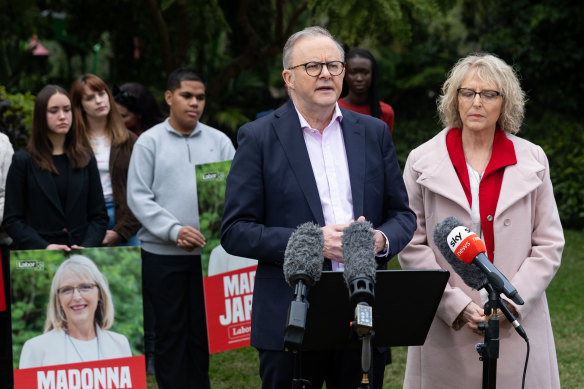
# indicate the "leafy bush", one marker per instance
pixel 410 134
pixel 16 116
pixel 563 143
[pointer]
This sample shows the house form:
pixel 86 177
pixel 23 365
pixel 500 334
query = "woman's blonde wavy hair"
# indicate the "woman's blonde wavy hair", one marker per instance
pixel 491 69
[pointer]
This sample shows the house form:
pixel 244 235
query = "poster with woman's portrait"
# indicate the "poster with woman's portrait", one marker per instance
pixel 228 279
pixel 77 318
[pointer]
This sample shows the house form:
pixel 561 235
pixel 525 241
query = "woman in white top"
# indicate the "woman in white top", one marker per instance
pixel 79 314
pixel 97 117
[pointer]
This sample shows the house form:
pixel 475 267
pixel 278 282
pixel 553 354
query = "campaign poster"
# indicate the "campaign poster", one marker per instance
pixel 228 279
pixel 77 318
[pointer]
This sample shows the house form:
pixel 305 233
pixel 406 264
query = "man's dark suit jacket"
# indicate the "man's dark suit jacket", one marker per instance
pixel 271 190
pixel 34 216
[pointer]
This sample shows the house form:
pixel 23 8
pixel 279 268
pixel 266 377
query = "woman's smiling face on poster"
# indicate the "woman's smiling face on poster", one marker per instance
pixel 79 298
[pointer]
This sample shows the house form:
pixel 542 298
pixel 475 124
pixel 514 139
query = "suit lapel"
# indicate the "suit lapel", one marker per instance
pixel 289 133
pixel 47 184
pixel 354 137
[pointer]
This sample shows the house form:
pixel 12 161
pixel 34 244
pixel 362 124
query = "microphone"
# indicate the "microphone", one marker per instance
pixel 302 267
pixel 448 236
pixel 359 275
pixel 469 248
pixel 359 271
pixel 359 261
pixel 471 275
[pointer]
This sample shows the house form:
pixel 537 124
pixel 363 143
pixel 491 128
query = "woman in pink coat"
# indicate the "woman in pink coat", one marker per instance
pixel 499 186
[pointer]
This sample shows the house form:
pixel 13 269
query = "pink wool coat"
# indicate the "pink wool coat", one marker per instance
pixel 528 248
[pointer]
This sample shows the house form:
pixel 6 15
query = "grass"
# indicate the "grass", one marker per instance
pixel 238 369
pixel 565 298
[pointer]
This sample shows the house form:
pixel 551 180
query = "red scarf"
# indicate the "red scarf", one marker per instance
pixel 503 155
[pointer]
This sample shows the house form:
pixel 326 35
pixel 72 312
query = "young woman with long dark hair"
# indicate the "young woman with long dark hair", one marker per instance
pixel 54 198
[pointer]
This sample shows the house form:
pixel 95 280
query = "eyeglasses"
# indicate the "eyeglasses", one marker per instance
pixel 487 96
pixel 82 288
pixel 314 69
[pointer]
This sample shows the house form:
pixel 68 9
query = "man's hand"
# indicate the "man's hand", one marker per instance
pixel 379 242
pixel 333 241
pixel 379 238
pixel 190 238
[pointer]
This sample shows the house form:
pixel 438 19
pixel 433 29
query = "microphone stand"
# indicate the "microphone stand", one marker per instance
pixel 489 349
pixel 297 381
pixel 294 332
pixel 363 326
pixel 362 293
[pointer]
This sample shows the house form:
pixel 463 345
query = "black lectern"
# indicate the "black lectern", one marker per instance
pixel 404 307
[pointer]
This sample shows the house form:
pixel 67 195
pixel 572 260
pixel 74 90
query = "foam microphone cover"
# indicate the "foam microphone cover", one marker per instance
pixel 303 257
pixel 359 251
pixel 472 275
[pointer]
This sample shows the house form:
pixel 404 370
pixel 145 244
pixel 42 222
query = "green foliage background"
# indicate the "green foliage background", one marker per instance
pixel 30 292
pixel 16 116
pixel 211 178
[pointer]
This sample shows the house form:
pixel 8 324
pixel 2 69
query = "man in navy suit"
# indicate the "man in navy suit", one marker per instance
pixel 310 161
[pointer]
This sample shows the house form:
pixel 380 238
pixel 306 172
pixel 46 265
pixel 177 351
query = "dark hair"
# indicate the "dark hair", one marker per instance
pixel 138 99
pixel 115 125
pixel 373 95
pixel 183 74
pixel 39 145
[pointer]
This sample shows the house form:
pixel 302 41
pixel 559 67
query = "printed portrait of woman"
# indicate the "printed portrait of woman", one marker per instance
pixel 79 314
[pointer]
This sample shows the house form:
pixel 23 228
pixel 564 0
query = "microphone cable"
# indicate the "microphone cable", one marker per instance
pixel 525 367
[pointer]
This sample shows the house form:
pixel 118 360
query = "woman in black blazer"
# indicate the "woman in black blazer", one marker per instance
pixel 54 198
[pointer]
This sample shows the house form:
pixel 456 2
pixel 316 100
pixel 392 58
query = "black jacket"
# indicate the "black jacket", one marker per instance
pixel 34 216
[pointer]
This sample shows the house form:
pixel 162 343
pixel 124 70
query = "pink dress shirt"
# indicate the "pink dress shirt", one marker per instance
pixel 329 163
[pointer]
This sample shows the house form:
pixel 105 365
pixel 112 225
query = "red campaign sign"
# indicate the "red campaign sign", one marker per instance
pixel 105 374
pixel 228 298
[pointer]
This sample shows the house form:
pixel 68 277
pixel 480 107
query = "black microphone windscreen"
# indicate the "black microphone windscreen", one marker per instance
pixel 359 251
pixel 303 257
pixel 470 273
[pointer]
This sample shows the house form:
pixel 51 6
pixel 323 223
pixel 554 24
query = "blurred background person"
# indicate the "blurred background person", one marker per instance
pixel 361 94
pixel 54 198
pixel 361 87
pixel 6 152
pixel 137 106
pixel 498 185
pixel 79 313
pixel 140 111
pixel 102 128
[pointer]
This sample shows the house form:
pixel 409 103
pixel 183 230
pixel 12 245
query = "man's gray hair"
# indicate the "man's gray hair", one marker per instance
pixel 308 32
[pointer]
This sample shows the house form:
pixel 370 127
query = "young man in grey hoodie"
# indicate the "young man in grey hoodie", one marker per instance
pixel 162 194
